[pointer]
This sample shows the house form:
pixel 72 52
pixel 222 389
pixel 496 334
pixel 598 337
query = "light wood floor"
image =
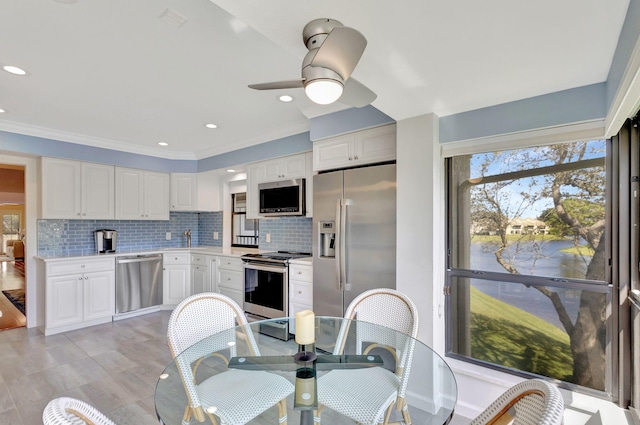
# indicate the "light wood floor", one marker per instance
pixel 10 316
pixel 114 367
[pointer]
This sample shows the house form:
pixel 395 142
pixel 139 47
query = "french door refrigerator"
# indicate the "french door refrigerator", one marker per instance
pixel 354 235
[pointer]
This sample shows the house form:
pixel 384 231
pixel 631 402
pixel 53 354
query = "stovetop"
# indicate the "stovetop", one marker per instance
pixel 276 257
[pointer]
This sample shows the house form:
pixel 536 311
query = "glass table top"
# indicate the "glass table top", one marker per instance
pixel 431 390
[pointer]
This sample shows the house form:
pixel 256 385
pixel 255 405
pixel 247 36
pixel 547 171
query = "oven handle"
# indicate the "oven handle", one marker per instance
pixel 265 267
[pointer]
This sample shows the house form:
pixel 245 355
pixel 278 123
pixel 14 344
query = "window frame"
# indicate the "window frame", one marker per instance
pixel 235 213
pixel 612 391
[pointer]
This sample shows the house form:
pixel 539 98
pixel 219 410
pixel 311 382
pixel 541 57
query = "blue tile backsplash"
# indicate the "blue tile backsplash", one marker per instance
pixel 287 234
pixel 75 237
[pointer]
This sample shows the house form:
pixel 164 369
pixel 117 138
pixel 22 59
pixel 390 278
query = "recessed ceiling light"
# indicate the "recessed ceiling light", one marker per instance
pixel 2 111
pixel 285 98
pixel 211 125
pixel 14 70
pixel 231 170
pixel 163 143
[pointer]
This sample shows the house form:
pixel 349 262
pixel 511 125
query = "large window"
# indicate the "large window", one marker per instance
pixel 10 228
pixel 529 262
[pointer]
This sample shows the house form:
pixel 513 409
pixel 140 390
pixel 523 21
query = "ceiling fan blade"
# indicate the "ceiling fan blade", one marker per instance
pixel 356 94
pixel 279 85
pixel 341 51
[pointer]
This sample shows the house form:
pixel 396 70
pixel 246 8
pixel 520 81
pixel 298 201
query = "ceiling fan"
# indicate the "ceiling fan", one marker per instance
pixel 334 52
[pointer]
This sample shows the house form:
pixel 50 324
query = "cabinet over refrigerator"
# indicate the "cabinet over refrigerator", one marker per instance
pixel 354 235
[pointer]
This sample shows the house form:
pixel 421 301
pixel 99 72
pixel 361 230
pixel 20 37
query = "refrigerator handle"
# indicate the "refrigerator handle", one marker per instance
pixel 346 286
pixel 338 246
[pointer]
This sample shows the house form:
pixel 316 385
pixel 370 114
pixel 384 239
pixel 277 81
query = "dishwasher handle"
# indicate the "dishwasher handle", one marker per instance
pixel 142 259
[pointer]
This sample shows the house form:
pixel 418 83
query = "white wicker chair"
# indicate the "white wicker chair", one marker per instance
pixel 368 395
pixel 234 396
pixel 69 411
pixel 532 402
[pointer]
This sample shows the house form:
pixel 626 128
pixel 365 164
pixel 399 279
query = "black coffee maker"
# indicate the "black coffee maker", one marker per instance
pixel 106 240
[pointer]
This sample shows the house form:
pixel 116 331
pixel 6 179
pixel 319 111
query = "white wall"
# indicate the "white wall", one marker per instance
pixel 420 233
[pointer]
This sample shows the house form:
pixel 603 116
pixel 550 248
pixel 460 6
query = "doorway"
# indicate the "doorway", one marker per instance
pixel 12 248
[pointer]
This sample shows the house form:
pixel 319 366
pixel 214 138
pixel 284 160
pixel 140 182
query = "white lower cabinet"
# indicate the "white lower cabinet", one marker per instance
pixel 79 293
pixel 230 278
pixel 300 289
pixel 201 273
pixel 176 277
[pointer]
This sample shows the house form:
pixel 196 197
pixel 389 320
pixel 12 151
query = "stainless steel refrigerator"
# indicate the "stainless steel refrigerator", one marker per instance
pixel 354 235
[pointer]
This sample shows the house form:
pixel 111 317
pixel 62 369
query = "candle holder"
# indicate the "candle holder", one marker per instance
pixel 306 390
pixel 306 353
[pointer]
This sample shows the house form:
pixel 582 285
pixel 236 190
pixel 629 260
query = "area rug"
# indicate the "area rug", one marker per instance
pixel 16 296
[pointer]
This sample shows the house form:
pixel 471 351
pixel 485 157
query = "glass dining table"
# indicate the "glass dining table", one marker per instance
pixel 317 371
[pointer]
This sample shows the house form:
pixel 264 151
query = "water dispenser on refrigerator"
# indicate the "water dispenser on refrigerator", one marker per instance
pixel 327 239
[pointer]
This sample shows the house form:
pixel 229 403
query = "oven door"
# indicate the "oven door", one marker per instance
pixel 266 291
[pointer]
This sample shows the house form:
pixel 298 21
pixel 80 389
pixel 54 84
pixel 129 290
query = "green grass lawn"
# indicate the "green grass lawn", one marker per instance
pixel 511 337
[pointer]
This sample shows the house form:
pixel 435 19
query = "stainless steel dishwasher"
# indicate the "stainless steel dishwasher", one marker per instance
pixel 138 282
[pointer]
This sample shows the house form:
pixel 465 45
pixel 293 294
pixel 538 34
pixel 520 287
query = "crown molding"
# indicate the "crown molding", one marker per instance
pixel 265 137
pixel 81 139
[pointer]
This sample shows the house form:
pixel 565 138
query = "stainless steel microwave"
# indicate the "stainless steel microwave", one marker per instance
pixel 286 197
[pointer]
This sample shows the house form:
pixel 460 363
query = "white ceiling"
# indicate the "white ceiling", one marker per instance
pixel 114 74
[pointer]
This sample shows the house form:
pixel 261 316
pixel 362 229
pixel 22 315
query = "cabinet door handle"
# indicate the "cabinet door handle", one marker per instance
pixel 355 157
pixel 82 266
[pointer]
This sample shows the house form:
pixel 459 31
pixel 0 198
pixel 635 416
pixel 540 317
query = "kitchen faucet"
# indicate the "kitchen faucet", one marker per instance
pixel 188 235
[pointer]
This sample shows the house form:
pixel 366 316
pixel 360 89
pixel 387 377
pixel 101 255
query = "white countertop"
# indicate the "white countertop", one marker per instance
pixel 210 250
pixel 307 261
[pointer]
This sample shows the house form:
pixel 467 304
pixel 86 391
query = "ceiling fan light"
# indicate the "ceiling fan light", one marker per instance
pixel 323 91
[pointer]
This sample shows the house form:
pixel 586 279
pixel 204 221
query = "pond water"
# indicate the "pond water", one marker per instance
pixel 532 258
pixel 541 258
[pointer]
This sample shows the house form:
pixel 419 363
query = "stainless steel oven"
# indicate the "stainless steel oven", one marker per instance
pixel 265 289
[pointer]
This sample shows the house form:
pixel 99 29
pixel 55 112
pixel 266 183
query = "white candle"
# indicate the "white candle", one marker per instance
pixel 305 327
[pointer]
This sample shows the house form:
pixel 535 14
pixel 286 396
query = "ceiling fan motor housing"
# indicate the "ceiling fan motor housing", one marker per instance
pixel 314 33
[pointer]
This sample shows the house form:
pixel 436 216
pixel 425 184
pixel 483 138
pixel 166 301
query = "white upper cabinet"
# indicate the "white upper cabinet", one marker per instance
pixel 288 167
pixel 141 195
pixel 77 190
pixel 354 149
pixel 195 192
pixel 184 192
pixel 255 173
pixel 209 191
